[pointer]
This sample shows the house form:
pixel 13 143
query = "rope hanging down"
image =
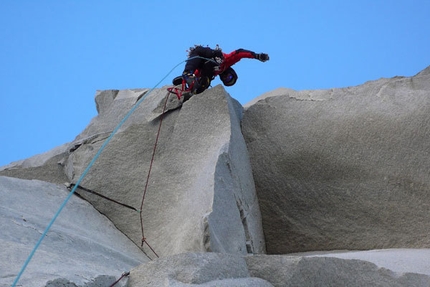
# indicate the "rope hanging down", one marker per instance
pixel 78 182
pixel 125 274
pixel 149 173
pixel 179 95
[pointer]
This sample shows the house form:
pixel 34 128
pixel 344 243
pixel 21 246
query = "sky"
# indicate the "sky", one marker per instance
pixel 55 55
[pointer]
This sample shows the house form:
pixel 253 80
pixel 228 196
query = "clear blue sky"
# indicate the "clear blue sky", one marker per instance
pixel 54 55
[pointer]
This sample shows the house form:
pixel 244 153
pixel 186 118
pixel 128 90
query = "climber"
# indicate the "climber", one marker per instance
pixel 205 64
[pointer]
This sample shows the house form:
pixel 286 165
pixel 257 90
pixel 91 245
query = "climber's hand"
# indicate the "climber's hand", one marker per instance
pixel 262 57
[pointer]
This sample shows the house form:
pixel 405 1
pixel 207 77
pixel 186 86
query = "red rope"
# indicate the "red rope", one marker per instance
pixel 149 173
pixel 122 276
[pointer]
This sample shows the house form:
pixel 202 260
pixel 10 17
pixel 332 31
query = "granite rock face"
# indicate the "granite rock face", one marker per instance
pixel 343 168
pixel 327 170
pixel 211 269
pixel 200 195
pixel 82 246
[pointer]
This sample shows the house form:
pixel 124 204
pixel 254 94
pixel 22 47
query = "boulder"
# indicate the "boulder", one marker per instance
pixel 82 247
pixel 200 195
pixel 343 169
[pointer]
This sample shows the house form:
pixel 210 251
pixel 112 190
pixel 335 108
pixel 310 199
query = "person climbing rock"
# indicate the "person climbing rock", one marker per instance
pixel 205 63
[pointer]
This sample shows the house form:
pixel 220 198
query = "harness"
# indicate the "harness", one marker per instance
pixel 208 71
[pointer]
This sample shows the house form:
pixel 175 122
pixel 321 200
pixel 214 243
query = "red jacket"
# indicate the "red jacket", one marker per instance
pixel 208 68
pixel 234 57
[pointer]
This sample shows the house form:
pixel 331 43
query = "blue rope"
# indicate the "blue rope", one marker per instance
pixel 85 173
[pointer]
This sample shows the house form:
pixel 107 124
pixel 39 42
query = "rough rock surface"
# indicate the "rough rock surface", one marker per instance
pixel 334 169
pixel 201 194
pixel 210 269
pixel 198 269
pixel 343 168
pixel 397 260
pixel 82 247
